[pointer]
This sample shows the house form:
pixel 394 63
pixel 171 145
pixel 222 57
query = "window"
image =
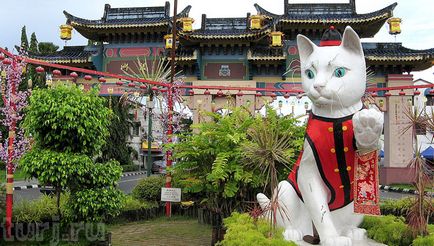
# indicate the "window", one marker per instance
pixel 135 130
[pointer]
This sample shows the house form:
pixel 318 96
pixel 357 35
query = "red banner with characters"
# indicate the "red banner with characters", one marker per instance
pixel 366 190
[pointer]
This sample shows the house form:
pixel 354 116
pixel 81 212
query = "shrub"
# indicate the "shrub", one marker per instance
pixel 2 199
pixel 131 203
pixel 242 230
pixel 388 229
pixel 96 204
pixel 130 168
pixel 39 210
pixel 149 189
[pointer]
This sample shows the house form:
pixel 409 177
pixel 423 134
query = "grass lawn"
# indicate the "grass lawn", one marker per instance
pixel 176 231
pixel 411 187
pixel 18 175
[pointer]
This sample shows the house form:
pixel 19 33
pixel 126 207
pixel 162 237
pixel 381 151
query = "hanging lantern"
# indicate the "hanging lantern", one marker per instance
pixel 88 77
pixel 394 25
pixel 39 69
pixel 286 96
pixel 169 41
pixel 240 94
pixel 276 39
pixel 131 85
pixel 431 91
pixel 65 32
pixel 207 92
pixel 154 88
pixel 7 61
pixel 57 72
pixel 143 87
pixel 102 79
pixel 220 93
pixel 191 92
pixel 416 92
pixel 402 93
pixel 73 75
pixel 273 95
pixel 387 94
pixel 258 94
pixel 374 94
pixel 187 24
pixel 256 22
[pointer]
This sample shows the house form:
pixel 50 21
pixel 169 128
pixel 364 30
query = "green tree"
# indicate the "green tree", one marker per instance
pixel 69 127
pixel 33 44
pixel 116 147
pixel 24 40
pixel 47 48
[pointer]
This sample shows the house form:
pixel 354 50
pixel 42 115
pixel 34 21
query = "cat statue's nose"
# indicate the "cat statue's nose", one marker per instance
pixel 319 86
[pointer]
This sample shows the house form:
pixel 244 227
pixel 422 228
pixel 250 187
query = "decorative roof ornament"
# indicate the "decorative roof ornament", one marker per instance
pixel 331 37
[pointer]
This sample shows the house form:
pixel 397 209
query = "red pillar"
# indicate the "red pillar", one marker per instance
pixel 9 164
pixel 170 106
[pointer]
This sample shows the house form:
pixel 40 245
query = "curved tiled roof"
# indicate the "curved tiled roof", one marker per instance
pixel 396 52
pixel 331 14
pixel 226 28
pixel 69 54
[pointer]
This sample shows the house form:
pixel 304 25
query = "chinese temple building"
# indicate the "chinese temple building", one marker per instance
pixel 257 51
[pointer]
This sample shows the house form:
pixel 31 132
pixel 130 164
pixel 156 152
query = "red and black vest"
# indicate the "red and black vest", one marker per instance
pixel 333 145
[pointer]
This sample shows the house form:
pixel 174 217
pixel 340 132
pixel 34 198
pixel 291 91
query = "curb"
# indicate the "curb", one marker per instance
pixel 403 190
pixel 133 174
pixel 36 186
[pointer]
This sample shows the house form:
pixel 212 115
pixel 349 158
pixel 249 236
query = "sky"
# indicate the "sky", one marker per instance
pixel 44 17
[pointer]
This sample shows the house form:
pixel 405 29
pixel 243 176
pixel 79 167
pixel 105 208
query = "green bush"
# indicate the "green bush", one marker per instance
pixel 2 199
pixel 39 210
pixel 149 189
pixel 242 231
pixel 131 203
pixel 388 229
pixel 96 204
pixel 130 168
pixel 401 207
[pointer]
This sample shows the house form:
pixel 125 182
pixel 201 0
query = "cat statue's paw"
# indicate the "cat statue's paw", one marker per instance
pixel 368 125
pixel 293 235
pixel 357 234
pixel 336 241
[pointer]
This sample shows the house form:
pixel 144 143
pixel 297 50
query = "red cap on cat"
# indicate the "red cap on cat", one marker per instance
pixel 331 37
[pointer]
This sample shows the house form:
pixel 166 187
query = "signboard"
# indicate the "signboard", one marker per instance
pixel 171 194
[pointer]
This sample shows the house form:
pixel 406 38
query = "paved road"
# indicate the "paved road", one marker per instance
pixel 126 184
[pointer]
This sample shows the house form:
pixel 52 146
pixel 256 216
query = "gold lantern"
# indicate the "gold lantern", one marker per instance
pixel 394 25
pixel 276 39
pixel 65 32
pixel 187 24
pixel 256 22
pixel 169 41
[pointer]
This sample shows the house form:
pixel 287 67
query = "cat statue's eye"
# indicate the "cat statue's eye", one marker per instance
pixel 310 74
pixel 340 72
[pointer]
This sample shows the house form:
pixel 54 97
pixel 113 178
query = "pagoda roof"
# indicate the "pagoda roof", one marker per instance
pixel 225 28
pixel 325 14
pixel 183 54
pixel 134 18
pixel 69 54
pixel 395 53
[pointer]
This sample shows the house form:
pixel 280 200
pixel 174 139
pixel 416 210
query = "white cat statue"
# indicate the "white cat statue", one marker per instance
pixel 319 189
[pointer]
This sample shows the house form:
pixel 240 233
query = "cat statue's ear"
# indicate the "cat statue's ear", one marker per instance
pixel 305 47
pixel 351 41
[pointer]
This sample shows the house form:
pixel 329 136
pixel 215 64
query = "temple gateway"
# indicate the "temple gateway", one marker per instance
pixel 255 50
